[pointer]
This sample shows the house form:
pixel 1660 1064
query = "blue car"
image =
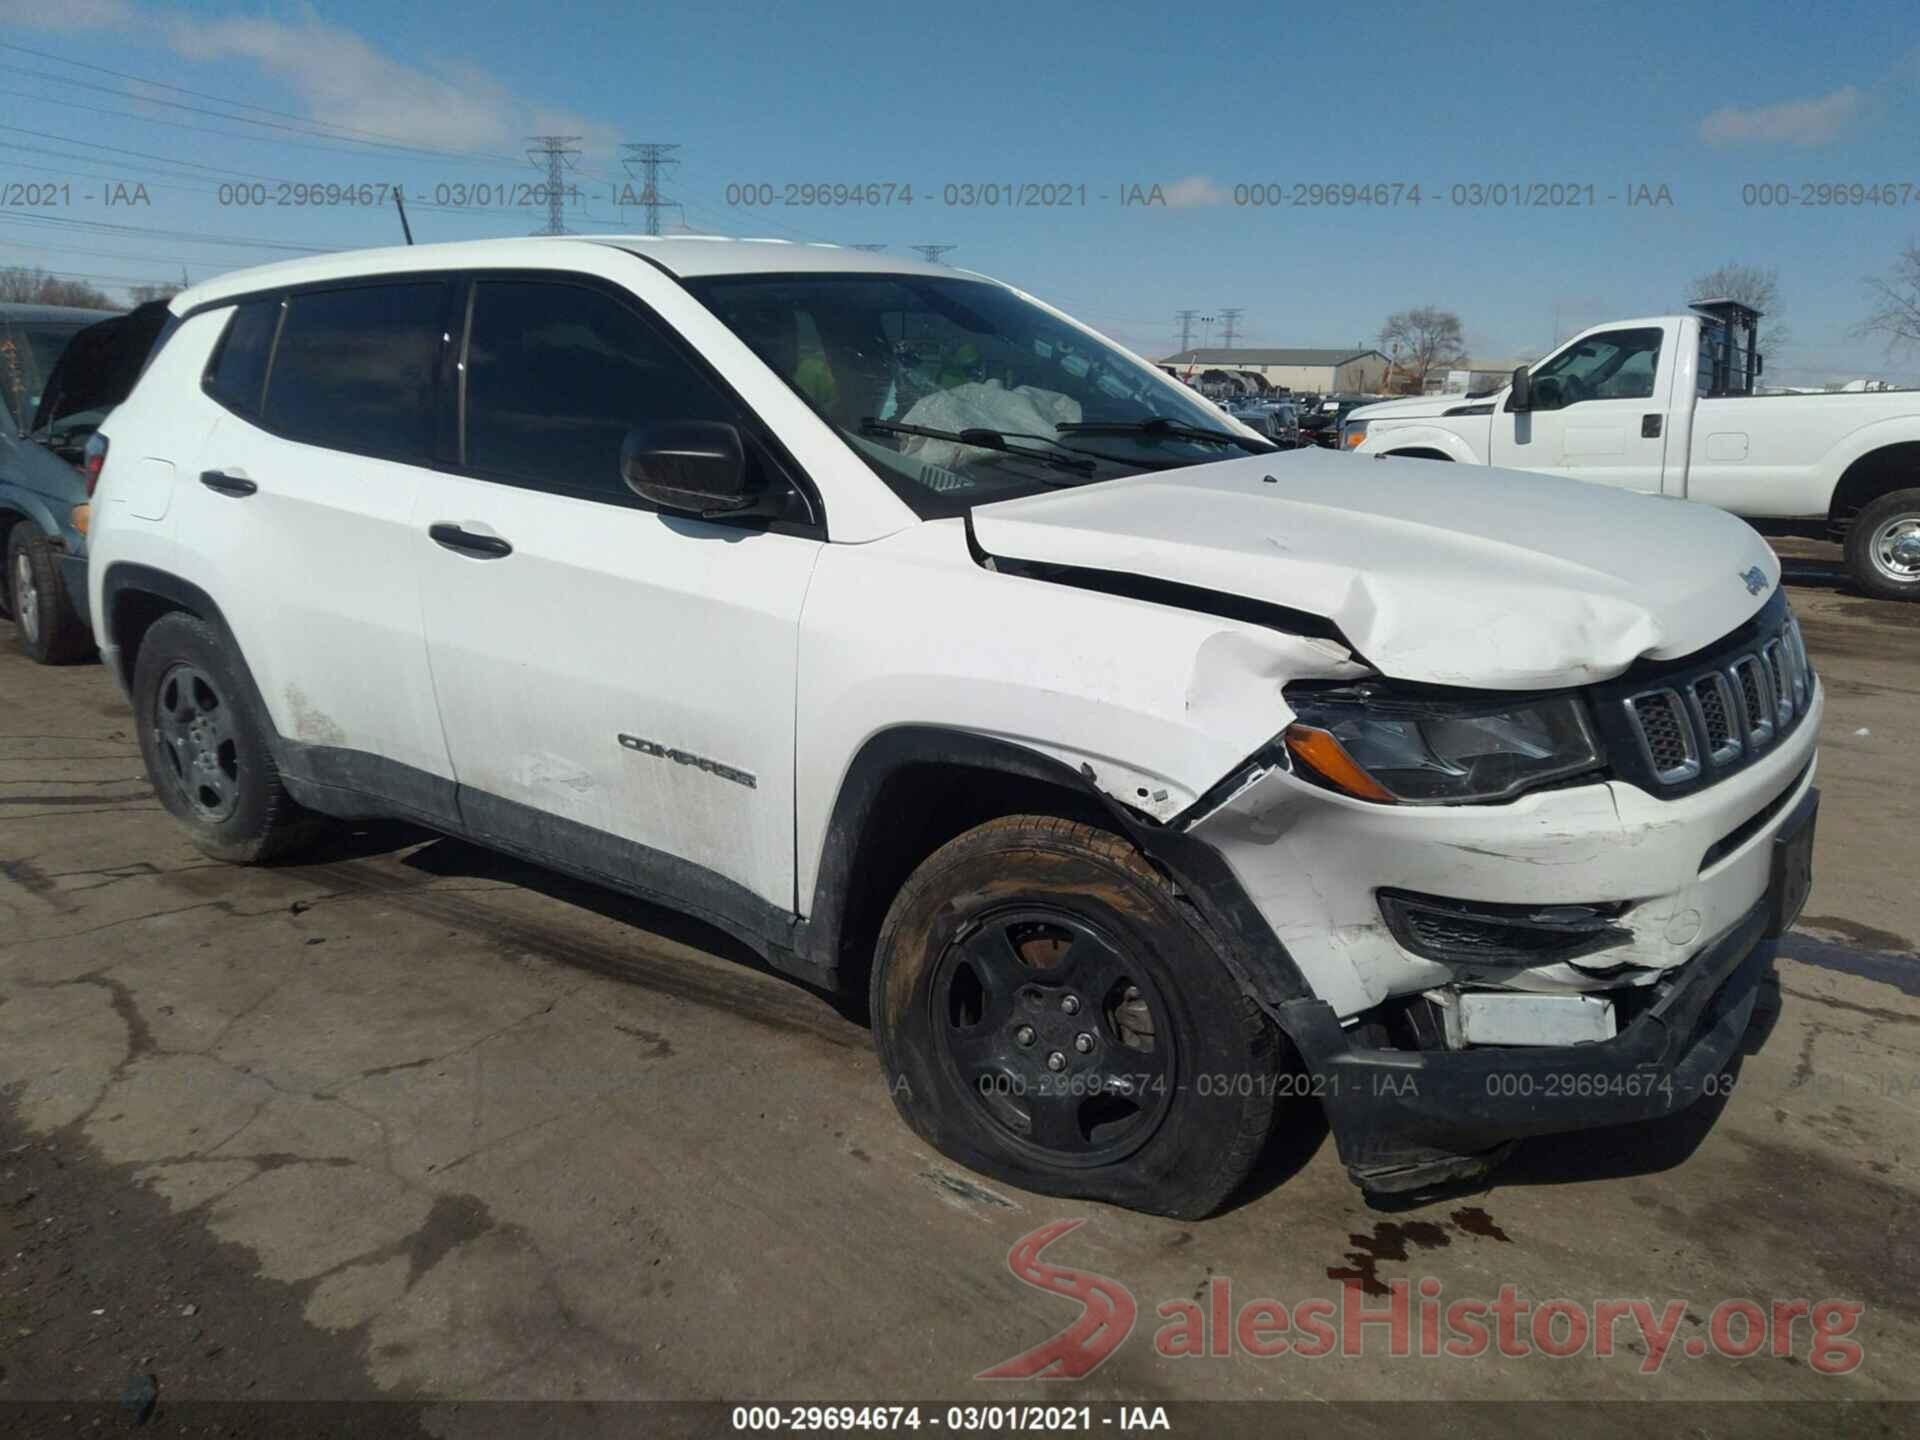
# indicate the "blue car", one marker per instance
pixel 61 370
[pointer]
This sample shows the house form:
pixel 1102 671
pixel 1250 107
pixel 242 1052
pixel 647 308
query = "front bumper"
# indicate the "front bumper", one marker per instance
pixel 73 574
pixel 1404 1120
pixel 1686 869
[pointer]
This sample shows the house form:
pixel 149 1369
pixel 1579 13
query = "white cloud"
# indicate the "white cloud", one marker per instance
pixel 338 77
pixel 1791 122
pixel 1194 190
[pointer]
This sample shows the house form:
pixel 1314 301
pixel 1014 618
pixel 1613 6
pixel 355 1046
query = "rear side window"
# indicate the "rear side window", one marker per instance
pixel 557 374
pixel 354 369
pixel 237 374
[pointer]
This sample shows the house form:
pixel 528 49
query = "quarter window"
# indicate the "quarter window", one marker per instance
pixel 354 369
pixel 237 374
pixel 557 374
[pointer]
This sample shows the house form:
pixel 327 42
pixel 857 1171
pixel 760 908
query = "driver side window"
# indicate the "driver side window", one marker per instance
pixel 1613 365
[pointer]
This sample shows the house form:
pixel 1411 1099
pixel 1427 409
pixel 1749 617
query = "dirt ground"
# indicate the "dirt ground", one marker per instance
pixel 410 1123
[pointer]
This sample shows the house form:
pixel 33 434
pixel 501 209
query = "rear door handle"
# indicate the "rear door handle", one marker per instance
pixel 486 547
pixel 222 483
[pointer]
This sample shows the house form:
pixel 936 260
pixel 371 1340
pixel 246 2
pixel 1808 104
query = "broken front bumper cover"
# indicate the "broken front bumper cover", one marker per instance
pixel 1409 1119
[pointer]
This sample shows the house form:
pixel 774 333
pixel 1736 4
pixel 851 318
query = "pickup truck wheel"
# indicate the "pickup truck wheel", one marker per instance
pixel 45 623
pixel 206 750
pixel 1049 1013
pixel 1883 547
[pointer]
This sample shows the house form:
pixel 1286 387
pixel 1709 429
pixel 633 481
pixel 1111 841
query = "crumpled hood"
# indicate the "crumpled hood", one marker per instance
pixel 1444 574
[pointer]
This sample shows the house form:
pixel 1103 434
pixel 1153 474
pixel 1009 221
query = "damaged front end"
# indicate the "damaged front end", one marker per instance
pixel 1522 914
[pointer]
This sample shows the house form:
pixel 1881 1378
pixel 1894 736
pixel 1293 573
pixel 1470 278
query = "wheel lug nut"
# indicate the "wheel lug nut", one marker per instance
pixel 1056 1061
pixel 1071 1004
pixel 1083 1042
pixel 1024 1035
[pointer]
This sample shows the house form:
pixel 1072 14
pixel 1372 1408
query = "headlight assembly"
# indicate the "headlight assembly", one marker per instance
pixel 1366 742
pixel 1352 433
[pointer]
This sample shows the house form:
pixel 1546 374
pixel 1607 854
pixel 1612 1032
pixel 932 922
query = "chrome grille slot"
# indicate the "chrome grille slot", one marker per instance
pixel 1756 698
pixel 1714 708
pixel 1777 675
pixel 1665 731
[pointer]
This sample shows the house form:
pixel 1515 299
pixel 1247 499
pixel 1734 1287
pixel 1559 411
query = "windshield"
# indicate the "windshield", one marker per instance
pixel 28 351
pixel 880 356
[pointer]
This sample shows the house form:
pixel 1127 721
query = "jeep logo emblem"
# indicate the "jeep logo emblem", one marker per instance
pixel 1756 579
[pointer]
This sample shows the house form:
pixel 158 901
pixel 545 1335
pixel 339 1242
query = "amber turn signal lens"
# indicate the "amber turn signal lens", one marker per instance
pixel 1356 437
pixel 82 517
pixel 1328 758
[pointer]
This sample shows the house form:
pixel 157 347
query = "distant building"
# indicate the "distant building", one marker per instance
pixel 1472 376
pixel 1316 372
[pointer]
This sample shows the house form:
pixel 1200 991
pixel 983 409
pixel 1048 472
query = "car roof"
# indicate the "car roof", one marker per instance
pixel 31 314
pixel 680 255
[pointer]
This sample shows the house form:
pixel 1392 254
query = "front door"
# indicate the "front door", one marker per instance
pixel 628 672
pixel 1599 412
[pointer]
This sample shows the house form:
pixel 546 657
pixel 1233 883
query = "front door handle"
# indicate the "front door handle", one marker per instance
pixel 1650 427
pixel 486 547
pixel 222 483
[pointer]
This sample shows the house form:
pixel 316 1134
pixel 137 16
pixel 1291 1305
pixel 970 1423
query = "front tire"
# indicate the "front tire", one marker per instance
pixel 45 623
pixel 206 746
pixel 1883 547
pixel 1048 1013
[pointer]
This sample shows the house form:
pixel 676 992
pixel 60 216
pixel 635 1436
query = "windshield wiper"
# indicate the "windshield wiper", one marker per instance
pixel 984 440
pixel 1162 425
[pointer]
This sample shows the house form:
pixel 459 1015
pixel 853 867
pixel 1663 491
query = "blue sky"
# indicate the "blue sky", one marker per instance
pixel 1701 99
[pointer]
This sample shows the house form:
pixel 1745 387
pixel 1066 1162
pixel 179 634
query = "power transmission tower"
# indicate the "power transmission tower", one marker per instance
pixel 557 153
pixel 932 253
pixel 1186 319
pixel 1230 321
pixel 651 159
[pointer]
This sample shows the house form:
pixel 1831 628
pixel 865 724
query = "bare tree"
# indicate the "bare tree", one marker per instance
pixel 141 294
pixel 1896 299
pixel 1421 340
pixel 1750 285
pixel 23 286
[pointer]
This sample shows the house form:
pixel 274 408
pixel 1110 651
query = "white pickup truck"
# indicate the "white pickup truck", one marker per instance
pixel 1668 405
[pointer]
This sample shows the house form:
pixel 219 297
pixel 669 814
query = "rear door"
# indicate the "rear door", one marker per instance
pixel 616 683
pixel 305 493
pixel 1599 412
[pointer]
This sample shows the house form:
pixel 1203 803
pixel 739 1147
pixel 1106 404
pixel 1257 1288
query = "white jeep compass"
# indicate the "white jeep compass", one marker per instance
pixel 1143 777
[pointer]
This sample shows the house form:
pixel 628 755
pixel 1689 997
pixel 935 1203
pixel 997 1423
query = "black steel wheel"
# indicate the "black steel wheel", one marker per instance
pixel 207 746
pixel 1049 1013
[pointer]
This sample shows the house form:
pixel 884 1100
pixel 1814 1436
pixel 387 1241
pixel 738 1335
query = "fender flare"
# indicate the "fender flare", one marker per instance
pixel 1199 874
pixel 30 505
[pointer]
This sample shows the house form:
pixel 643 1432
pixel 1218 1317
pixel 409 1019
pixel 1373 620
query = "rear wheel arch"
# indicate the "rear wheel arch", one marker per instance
pixel 134 597
pixel 1878 472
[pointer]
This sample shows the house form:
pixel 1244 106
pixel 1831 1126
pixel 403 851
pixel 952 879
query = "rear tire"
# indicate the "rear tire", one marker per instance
pixel 45 624
pixel 206 747
pixel 1049 1013
pixel 1883 547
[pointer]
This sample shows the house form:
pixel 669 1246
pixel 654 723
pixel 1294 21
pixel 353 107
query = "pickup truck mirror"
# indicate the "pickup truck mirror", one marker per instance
pixel 1522 397
pixel 696 467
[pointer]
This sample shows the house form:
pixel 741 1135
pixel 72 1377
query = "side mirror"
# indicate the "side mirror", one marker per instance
pixel 1522 397
pixel 695 467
